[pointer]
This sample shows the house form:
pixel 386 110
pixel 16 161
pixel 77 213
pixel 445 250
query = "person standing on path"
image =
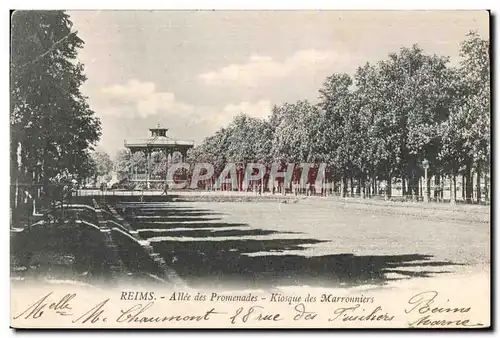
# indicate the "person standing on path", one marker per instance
pixel 165 189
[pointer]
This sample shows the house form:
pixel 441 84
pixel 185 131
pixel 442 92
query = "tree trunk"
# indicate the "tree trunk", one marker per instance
pixel 46 187
pixel 468 185
pixel 486 188
pixel 463 188
pixel 21 177
pixel 455 187
pixel 453 190
pixel 436 187
pixel 351 182
pixel 362 186
pixel 403 186
pixel 343 187
pixel 14 174
pixel 441 191
pixel 478 186
pixel 409 187
pixel 413 187
pixel 428 188
pixel 416 187
pixel 420 187
pixel 389 187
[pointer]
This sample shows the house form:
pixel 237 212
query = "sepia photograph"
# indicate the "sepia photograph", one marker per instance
pixel 250 168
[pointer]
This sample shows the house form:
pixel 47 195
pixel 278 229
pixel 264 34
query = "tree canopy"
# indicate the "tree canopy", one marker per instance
pixel 53 129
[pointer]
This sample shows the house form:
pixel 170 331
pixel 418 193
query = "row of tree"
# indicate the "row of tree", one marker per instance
pixel 379 124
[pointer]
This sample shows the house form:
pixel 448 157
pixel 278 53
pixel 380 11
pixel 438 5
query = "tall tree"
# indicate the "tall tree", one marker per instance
pixel 335 127
pixel 371 137
pixel 52 126
pixel 466 135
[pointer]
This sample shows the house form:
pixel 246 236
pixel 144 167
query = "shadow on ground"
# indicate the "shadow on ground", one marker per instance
pixel 203 259
pixel 75 252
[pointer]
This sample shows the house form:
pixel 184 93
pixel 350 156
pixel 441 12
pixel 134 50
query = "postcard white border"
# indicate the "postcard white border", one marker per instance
pixel 186 4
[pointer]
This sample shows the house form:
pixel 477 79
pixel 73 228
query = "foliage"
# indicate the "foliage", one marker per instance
pixel 102 165
pixel 52 125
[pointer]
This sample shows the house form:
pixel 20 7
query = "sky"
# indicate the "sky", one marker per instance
pixel 192 71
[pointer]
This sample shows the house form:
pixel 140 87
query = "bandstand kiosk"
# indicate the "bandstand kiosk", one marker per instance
pixel 157 142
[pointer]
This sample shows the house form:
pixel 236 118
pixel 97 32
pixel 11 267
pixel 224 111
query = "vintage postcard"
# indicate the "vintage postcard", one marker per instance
pixel 250 169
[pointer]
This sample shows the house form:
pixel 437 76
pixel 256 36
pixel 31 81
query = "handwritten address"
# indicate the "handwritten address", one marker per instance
pixel 426 309
pixel 427 304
